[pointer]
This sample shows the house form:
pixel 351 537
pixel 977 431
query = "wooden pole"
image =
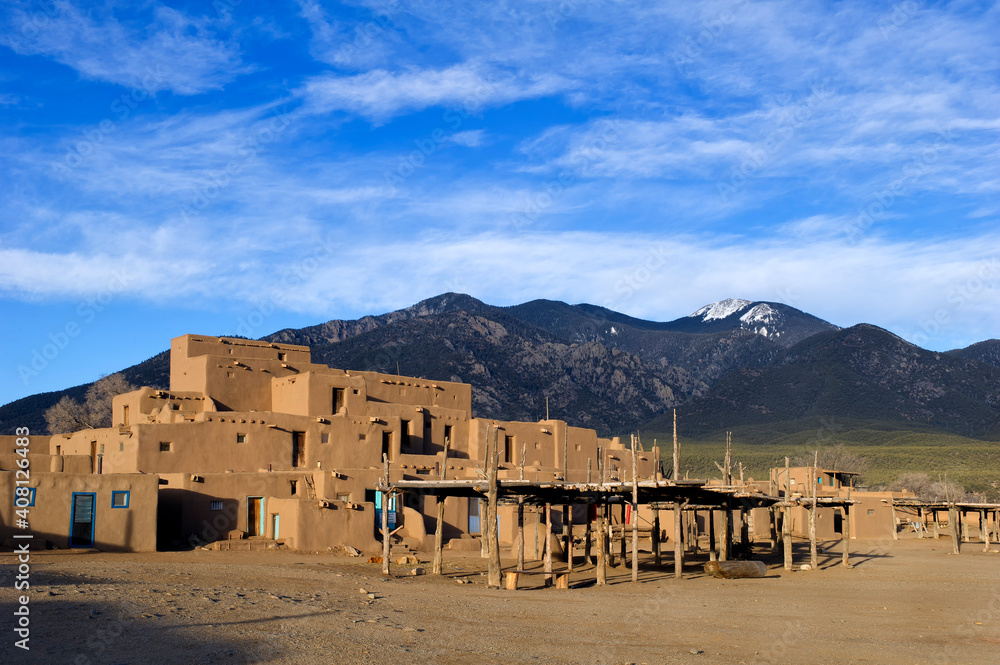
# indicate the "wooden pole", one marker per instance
pixel 677 451
pixel 953 521
pixel 984 530
pixel 567 522
pixel 655 536
pixel 439 529
pixel 786 518
pixel 520 515
pixel 587 532
pixel 713 547
pixel 386 500
pixel 937 523
pixel 965 525
pixel 772 528
pixel 724 533
pixel 678 545
pixel 602 570
pixel 635 513
pixel 920 521
pixel 493 540
pixel 813 553
pixel 847 535
pixel 548 544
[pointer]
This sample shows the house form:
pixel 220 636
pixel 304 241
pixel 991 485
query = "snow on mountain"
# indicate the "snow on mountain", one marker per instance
pixel 759 317
pixel 722 309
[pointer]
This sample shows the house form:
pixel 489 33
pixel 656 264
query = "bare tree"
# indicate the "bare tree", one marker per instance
pixel 929 490
pixel 836 458
pixel 69 415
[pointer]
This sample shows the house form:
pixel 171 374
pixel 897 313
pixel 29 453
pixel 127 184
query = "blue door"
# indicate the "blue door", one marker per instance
pixel 81 532
pixel 378 512
pixel 474 523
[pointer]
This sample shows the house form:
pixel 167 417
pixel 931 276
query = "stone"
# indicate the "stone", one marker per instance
pixel 417 571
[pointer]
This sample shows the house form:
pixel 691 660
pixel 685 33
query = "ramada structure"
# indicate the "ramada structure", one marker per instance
pixel 254 443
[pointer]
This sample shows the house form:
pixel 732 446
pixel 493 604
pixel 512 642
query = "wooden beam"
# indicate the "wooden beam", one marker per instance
pixel 635 513
pixel 786 518
pixel 846 525
pixel 520 515
pixel 602 570
pixel 655 536
pixel 587 532
pixel 678 545
pixel 713 547
pixel 439 529
pixel 493 540
pixel 813 553
pixel 385 517
pixel 953 521
pixel 548 544
pixel 937 523
pixel 984 530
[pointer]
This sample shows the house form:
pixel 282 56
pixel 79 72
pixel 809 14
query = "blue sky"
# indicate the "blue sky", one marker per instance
pixel 242 166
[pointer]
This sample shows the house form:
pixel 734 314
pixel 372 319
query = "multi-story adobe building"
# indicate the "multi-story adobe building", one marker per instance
pixel 254 437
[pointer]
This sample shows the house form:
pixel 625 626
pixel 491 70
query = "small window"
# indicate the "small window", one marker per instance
pixel 324 437
pixel 215 505
pixel 119 499
pixel 282 356
pixel 229 375
pixel 346 498
pixel 871 511
pixel 164 446
pixel 241 438
pixel 175 407
pixel 293 486
pixel 31 499
pixel 58 450
pixel 355 391
pixel 121 446
pixel 102 448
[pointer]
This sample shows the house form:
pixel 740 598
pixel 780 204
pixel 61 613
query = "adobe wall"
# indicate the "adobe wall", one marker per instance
pixel 115 529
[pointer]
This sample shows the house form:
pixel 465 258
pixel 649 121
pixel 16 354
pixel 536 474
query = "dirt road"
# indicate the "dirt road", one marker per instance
pixel 909 602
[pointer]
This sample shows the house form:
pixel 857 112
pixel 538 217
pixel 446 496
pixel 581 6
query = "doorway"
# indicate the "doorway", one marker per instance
pixel 82 520
pixel 275 523
pixel 255 516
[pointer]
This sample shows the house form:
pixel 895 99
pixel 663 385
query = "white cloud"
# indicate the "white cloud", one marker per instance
pixel 380 94
pixel 175 52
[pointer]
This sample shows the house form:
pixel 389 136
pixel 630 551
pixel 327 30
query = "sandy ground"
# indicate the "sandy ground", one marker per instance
pixel 904 602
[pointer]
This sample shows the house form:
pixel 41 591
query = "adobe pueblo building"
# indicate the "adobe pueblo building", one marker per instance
pixel 255 440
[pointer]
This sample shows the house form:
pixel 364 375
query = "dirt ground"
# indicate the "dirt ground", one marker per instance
pixel 909 602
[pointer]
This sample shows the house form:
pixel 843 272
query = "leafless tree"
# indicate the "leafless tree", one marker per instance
pixel 836 457
pixel 69 415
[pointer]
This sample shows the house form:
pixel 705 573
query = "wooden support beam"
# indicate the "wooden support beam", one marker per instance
pixel 602 570
pixel 920 521
pixel 786 535
pixel 953 522
pixel 623 553
pixel 568 529
pixel 678 545
pixel 713 548
pixel 813 553
pixel 386 501
pixel 772 528
pixel 520 516
pixel 846 525
pixel 439 529
pixel 548 544
pixel 937 523
pixel 493 578
pixel 635 513
pixel 587 533
pixel 725 533
pixel 655 537
pixel 984 530
pixel 965 525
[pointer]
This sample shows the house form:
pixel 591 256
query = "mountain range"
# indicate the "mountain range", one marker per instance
pixel 731 363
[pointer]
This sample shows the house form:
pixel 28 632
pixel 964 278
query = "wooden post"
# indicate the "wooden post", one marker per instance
pixel 920 521
pixel 623 552
pixel 744 527
pixel 713 547
pixel 937 523
pixel 602 571
pixel 953 521
pixel 386 500
pixel 587 533
pixel 493 540
pixel 677 451
pixel 786 518
pixel 724 533
pixel 439 529
pixel 520 516
pixel 984 530
pixel 813 554
pixel 678 545
pixel 567 522
pixel 847 533
pixel 548 544
pixel 635 514
pixel 892 510
pixel 772 528
pixel 965 525
pixel 655 536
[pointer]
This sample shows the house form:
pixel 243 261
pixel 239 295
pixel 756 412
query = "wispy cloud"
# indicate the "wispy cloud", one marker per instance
pixel 174 52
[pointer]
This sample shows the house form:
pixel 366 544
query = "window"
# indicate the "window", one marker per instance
pixel 282 356
pixel 164 446
pixel 175 407
pixel 338 399
pixel 121 446
pixel 447 433
pixel 508 448
pixel 404 433
pixel 102 448
pixel 58 450
pixel 871 511
pixel 324 437
pixel 241 438
pixel 119 499
pixel 30 497
pixel 387 444
pixel 298 449
pixel 215 505
pixel 293 485
pixel 125 415
pixel 346 498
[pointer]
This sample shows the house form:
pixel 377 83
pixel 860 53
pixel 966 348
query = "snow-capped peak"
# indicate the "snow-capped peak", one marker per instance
pixel 762 313
pixel 722 309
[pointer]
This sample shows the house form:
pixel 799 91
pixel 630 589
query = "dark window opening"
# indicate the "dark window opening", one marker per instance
pixel 387 444
pixel 338 399
pixel 282 356
pixel 293 486
pixel 164 446
pixel 298 449
pixel 508 448
pixel 404 434
pixel 447 433
pixel 241 438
